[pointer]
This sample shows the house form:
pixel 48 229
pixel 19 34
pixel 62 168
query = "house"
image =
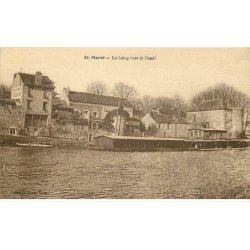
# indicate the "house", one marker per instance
pixel 216 114
pixel 170 126
pixel 94 107
pixel 33 94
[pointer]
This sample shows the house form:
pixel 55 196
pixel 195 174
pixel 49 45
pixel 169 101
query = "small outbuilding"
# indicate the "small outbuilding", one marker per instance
pixel 207 134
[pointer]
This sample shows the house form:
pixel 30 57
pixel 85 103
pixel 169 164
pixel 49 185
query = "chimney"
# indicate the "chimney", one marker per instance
pixel 66 90
pixel 38 78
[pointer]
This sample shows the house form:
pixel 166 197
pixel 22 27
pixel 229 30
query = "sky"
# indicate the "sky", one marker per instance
pixel 182 71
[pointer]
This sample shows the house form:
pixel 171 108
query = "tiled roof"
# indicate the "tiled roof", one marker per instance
pixel 170 119
pixel 83 97
pixel 217 104
pixel 59 102
pixel 61 105
pixel 138 113
pixel 29 80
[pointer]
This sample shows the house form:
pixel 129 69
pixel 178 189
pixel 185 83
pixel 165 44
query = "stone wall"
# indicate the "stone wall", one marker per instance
pixel 75 132
pixel 10 118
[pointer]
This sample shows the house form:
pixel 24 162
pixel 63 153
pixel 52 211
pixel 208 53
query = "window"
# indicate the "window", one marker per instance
pixel 77 112
pixel 95 114
pixel 159 125
pixel 45 94
pixel 12 131
pixel 191 133
pixel 194 117
pixel 168 126
pixel 205 125
pixel 28 104
pixel 45 106
pixel 86 114
pixel 94 125
pixel 195 132
pixel 164 134
pixel 90 137
pixel 200 132
pixel 29 93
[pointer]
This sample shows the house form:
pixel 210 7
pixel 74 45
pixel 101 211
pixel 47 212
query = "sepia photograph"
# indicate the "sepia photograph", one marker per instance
pixel 124 123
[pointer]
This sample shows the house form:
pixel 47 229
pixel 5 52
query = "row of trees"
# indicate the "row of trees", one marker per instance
pixel 176 104
pixel 120 89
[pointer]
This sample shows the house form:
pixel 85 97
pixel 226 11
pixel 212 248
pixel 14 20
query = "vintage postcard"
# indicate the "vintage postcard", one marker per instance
pixel 125 123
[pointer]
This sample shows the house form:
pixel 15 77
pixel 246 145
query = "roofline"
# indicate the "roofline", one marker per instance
pixel 130 104
pixel 97 104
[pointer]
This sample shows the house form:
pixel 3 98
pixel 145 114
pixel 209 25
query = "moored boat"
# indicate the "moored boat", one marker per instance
pixel 34 145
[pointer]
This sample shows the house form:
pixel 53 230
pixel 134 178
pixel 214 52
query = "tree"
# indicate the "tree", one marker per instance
pixel 55 95
pixel 223 91
pixel 4 91
pixel 98 88
pixel 123 90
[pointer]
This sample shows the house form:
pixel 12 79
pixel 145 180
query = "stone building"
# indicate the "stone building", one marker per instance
pixel 33 94
pixel 169 126
pixel 94 107
pixel 216 114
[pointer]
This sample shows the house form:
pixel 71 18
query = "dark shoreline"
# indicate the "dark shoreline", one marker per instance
pixel 55 142
pixel 178 145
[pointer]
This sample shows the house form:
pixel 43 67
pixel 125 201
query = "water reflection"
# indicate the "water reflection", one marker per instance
pixel 70 173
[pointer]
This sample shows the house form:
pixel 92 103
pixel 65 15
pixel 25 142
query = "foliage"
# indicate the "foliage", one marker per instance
pixel 123 90
pixel 166 105
pixel 3 91
pixel 142 127
pixel 107 124
pixel 151 131
pixel 55 95
pixel 79 120
pixel 98 88
pixel 225 92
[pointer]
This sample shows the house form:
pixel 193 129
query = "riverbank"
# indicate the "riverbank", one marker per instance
pixel 12 140
pixel 124 143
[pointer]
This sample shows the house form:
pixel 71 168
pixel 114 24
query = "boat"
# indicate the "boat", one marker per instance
pixel 241 148
pixel 34 145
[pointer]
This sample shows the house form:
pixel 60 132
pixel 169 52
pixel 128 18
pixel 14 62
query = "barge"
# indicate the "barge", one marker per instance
pixel 129 143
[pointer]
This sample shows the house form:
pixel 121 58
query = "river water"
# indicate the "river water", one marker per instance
pixel 72 173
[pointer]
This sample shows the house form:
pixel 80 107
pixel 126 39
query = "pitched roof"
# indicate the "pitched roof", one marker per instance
pixel 138 112
pixel 217 104
pixel 59 102
pixel 160 118
pixel 29 80
pixel 83 97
